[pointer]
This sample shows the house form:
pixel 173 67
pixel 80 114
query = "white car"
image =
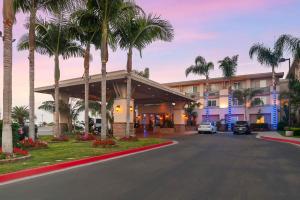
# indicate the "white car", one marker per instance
pixel 207 127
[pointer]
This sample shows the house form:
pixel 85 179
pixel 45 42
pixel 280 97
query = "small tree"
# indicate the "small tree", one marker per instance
pixel 246 96
pixel 20 114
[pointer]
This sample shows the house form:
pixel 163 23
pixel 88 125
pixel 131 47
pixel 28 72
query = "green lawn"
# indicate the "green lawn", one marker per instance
pixel 67 151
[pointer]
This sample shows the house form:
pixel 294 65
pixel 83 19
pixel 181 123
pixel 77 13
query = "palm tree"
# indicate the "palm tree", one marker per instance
pixel 20 113
pixel 109 12
pixel 8 20
pixel 292 44
pixel 31 7
pixel 246 96
pixel 84 27
pixel 268 57
pixel 271 58
pixel 228 66
pixel 145 73
pixel 137 31
pixel 72 109
pixel 202 68
pixel 52 40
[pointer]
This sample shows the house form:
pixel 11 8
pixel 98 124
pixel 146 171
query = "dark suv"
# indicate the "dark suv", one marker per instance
pixel 241 127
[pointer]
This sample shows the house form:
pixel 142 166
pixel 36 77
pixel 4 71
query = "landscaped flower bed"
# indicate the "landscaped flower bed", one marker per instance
pixel 61 138
pixel 85 137
pixel 30 144
pixel 18 154
pixel 130 139
pixel 104 143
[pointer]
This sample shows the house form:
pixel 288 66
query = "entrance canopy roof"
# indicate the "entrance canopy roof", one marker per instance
pixel 144 91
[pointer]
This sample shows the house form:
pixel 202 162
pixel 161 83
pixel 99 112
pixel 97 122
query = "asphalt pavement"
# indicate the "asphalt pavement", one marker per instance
pixel 220 166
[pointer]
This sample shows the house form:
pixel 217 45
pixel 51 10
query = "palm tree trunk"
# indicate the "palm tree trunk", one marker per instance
pixel 229 106
pixel 104 59
pixel 206 99
pixel 7 143
pixel 31 72
pixel 57 130
pixel 128 95
pixel 86 88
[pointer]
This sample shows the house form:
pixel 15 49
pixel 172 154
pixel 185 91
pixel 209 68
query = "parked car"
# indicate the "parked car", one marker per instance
pixel 207 127
pixel 97 126
pixel 241 127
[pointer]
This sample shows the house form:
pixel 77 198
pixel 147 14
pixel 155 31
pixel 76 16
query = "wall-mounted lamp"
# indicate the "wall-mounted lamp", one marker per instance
pixel 118 108
pixel 131 109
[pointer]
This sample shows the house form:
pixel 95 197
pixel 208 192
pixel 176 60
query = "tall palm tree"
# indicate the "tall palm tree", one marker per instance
pixel 202 68
pixel 20 113
pixel 84 27
pixel 109 12
pixel 137 31
pixel 52 40
pixel 246 96
pixel 271 58
pixel 144 73
pixel 8 20
pixel 292 44
pixel 228 66
pixel 31 7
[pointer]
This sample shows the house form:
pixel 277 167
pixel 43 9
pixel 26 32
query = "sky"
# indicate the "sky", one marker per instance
pixel 213 29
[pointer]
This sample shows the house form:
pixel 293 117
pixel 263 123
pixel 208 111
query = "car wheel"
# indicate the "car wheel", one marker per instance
pixel 199 132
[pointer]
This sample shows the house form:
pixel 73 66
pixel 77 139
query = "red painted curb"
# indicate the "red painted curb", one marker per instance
pixel 64 165
pixel 280 140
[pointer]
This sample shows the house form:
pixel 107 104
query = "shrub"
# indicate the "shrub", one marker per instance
pixel 61 138
pixel 130 138
pixel 30 144
pixel 104 143
pixel 281 125
pixel 296 131
pixel 85 137
pixel 15 128
pixel 259 127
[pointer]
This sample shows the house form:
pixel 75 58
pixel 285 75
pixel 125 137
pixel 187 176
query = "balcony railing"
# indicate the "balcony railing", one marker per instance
pixel 194 95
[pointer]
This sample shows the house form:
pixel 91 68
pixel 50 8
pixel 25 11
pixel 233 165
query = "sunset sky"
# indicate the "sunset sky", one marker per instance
pixel 210 28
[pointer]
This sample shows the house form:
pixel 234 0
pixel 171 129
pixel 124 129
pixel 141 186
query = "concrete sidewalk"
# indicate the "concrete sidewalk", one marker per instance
pixel 273 135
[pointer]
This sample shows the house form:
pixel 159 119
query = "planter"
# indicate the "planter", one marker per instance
pixel 289 133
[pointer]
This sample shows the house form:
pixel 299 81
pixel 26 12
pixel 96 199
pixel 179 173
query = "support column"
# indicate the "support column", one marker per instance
pixel 119 125
pixel 179 117
pixel 65 123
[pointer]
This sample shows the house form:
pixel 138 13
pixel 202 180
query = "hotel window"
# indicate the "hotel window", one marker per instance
pixel 260 101
pixel 214 87
pixel 236 102
pixel 260 119
pixel 212 103
pixel 195 89
pixel 237 85
pixel 262 83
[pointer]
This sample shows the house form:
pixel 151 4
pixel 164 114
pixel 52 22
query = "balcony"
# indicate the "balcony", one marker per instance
pixel 193 95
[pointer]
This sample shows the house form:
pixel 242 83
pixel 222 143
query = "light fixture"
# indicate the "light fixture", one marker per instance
pixel 131 109
pixel 139 85
pixel 118 108
pixel 167 115
pixel 173 104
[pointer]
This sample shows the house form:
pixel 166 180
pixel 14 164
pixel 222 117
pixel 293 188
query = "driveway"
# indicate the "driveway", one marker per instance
pixel 200 167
